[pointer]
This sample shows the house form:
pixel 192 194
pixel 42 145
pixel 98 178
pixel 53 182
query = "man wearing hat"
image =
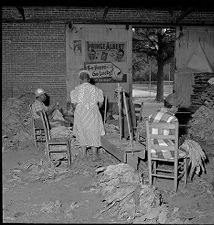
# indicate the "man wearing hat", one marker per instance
pixel 54 115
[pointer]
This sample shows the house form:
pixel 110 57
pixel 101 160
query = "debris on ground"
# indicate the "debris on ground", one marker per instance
pixel 16 123
pixel 125 196
pixel 111 128
pixel 34 171
pixel 51 207
pixel 62 132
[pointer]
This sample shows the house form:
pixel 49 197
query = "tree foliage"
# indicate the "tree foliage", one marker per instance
pixel 158 44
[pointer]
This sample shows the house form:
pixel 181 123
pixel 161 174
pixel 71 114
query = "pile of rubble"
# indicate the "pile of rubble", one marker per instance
pixel 16 123
pixel 128 198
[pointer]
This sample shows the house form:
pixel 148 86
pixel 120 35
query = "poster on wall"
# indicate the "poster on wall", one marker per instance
pixel 77 47
pixel 102 51
pixel 105 72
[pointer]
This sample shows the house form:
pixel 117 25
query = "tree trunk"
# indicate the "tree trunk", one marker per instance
pixel 160 81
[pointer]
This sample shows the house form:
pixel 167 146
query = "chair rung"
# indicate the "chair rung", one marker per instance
pixel 163 160
pixel 161 147
pixel 164 176
pixel 164 170
pixel 58 151
pixel 58 143
pixel 160 136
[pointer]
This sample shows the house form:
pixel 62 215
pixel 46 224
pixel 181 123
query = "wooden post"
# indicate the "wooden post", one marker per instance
pixel 150 76
pixel 105 111
pixel 119 108
pixel 128 119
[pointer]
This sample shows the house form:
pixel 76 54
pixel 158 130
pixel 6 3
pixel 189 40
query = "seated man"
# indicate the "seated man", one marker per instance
pixel 172 100
pixel 54 115
pixel 165 114
pixel 69 112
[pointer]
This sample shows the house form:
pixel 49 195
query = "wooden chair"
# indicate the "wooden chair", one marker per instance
pixel 55 141
pixel 162 147
pixel 138 110
pixel 38 133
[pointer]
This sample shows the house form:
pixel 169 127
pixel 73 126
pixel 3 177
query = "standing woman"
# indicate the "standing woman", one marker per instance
pixel 88 124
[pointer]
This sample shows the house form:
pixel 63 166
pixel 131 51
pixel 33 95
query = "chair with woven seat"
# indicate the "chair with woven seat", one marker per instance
pixel 162 148
pixel 50 142
pixel 38 132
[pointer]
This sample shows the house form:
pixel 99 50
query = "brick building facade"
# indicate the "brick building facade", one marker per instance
pixel 34 43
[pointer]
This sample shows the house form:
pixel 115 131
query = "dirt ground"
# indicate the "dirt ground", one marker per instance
pixel 72 197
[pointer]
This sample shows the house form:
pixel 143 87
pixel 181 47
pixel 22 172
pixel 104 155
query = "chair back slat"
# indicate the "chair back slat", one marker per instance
pixel 162 137
pixel 138 108
pixel 31 116
pixel 162 148
pixel 45 124
pixel 162 125
pixel 157 140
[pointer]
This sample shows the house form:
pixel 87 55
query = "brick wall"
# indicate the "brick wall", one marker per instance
pixel 33 55
pixel 90 15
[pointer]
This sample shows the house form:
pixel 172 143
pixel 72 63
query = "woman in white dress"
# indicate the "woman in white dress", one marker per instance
pixel 88 124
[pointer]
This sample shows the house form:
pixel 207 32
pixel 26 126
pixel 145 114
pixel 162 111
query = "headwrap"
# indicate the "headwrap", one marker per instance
pixel 39 92
pixel 84 71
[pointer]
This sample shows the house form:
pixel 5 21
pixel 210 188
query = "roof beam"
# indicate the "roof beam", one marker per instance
pixel 184 14
pixel 135 24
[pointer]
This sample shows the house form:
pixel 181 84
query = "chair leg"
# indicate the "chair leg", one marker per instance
pixel 150 171
pixel 69 153
pixel 185 171
pixel 176 176
pixel 35 142
pixel 155 170
pixel 47 153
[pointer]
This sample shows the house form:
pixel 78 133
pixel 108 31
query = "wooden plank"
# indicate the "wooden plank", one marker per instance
pixel 122 150
pixel 111 148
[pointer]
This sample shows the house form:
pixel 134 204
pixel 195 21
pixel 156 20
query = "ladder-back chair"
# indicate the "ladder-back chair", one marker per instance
pixel 162 147
pixel 50 142
pixel 38 132
pixel 138 110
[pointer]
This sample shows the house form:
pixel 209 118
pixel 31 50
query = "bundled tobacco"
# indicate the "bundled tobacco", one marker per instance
pixel 196 155
pixel 202 122
pixel 141 129
pixel 201 83
pixel 202 125
pixel 207 96
pixel 126 197
pixel 61 132
pixel 111 128
pixel 16 122
pixel 34 170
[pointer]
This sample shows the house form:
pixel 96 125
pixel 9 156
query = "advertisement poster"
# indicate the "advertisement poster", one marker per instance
pixel 105 72
pixel 102 51
pixel 77 47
